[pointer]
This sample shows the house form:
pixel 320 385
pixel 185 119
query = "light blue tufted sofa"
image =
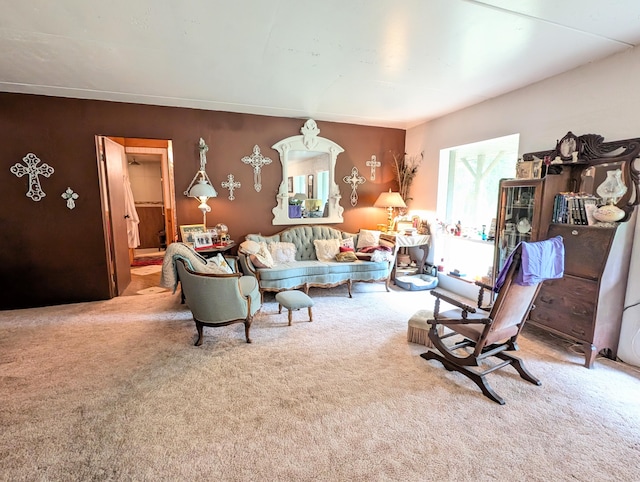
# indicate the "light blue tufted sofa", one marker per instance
pixel 307 271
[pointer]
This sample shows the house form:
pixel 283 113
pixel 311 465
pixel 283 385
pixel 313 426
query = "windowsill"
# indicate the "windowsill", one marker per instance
pixel 471 240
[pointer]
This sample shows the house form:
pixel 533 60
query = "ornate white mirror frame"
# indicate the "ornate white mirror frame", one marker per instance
pixel 308 141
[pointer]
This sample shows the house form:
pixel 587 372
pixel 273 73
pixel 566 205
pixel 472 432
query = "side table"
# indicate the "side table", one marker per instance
pixel 218 248
pixel 420 241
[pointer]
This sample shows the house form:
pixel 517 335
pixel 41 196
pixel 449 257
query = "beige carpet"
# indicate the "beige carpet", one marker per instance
pixel 116 390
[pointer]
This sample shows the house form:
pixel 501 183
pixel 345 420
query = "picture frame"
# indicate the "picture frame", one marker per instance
pixel 187 232
pixel 524 170
pixel 537 168
pixel 202 240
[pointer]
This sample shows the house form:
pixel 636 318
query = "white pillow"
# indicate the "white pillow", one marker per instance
pixel 347 243
pixel 367 237
pixel 263 256
pixel 249 247
pixel 282 252
pixel 219 262
pixel 326 249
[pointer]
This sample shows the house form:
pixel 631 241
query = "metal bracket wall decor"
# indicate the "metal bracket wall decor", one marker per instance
pixel 231 185
pixel 354 180
pixel 257 160
pixel 70 197
pixel 32 169
pixel 373 163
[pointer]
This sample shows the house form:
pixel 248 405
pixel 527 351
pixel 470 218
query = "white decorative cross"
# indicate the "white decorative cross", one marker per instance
pixel 231 185
pixel 35 192
pixel 70 196
pixel 355 180
pixel 373 163
pixel 257 160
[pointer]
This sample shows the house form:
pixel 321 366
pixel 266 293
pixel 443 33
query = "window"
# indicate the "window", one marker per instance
pixel 468 193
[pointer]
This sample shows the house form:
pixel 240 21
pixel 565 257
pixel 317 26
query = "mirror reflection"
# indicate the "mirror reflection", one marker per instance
pixel 309 185
pixel 595 175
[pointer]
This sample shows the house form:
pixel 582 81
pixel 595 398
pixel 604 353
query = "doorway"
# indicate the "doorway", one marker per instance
pixel 138 193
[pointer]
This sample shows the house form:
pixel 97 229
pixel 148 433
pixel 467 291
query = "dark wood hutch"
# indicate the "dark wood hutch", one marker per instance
pixel 586 305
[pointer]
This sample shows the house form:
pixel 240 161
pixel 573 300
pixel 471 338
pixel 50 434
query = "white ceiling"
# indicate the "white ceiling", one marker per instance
pixel 392 63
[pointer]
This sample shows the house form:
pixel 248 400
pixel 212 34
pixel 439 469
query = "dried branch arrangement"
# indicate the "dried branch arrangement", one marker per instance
pixel 405 168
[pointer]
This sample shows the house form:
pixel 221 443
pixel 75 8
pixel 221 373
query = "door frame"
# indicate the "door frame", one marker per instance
pixel 168 189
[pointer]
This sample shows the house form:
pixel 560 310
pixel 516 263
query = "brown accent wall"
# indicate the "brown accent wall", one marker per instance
pixel 51 255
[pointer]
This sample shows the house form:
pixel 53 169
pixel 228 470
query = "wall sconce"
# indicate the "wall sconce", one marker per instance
pixel 389 200
pixel 200 187
pixel 610 191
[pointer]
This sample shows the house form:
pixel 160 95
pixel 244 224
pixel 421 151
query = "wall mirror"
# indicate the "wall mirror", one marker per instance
pixel 308 193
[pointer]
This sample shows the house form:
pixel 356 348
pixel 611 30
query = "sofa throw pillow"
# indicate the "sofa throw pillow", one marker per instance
pixel 344 248
pixel 259 262
pixel 326 249
pixel 346 256
pixel 249 247
pixel 221 263
pixel 282 252
pixel 367 237
pixel 347 243
pixel 263 258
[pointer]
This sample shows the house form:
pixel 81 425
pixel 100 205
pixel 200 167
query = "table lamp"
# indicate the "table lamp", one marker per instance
pixel 611 190
pixel 389 200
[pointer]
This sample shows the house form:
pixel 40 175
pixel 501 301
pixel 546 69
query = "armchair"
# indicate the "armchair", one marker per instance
pixel 219 299
pixel 492 331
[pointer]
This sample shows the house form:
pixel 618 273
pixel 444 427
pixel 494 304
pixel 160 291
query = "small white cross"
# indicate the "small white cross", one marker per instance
pixel 70 196
pixel 35 192
pixel 373 163
pixel 257 160
pixel 355 180
pixel 231 185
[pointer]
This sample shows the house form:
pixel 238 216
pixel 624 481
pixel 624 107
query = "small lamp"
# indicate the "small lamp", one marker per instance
pixel 389 200
pixel 610 191
pixel 200 186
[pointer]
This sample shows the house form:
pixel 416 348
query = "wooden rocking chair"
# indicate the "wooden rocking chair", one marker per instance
pixel 490 331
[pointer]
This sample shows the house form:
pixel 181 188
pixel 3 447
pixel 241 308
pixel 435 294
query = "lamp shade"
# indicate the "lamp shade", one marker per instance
pixel 389 200
pixel 202 189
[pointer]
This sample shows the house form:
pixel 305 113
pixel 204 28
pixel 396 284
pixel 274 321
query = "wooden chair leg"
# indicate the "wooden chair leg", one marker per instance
pixel 478 379
pixel 520 368
pixel 199 328
pixel 247 327
pixel 290 316
pixel 310 314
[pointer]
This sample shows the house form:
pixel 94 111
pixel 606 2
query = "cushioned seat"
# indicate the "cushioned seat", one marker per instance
pixel 294 270
pixel 294 300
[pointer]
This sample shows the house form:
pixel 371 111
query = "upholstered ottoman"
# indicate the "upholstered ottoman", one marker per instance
pixel 418 330
pixel 294 300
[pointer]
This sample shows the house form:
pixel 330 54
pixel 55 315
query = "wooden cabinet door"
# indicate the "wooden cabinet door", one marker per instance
pixel 586 248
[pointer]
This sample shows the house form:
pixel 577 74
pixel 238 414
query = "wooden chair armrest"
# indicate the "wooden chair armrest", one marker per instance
pixel 460 321
pixel 453 301
pixel 485 286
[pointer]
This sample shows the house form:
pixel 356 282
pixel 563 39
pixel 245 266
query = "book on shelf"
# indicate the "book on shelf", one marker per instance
pixel 574 208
